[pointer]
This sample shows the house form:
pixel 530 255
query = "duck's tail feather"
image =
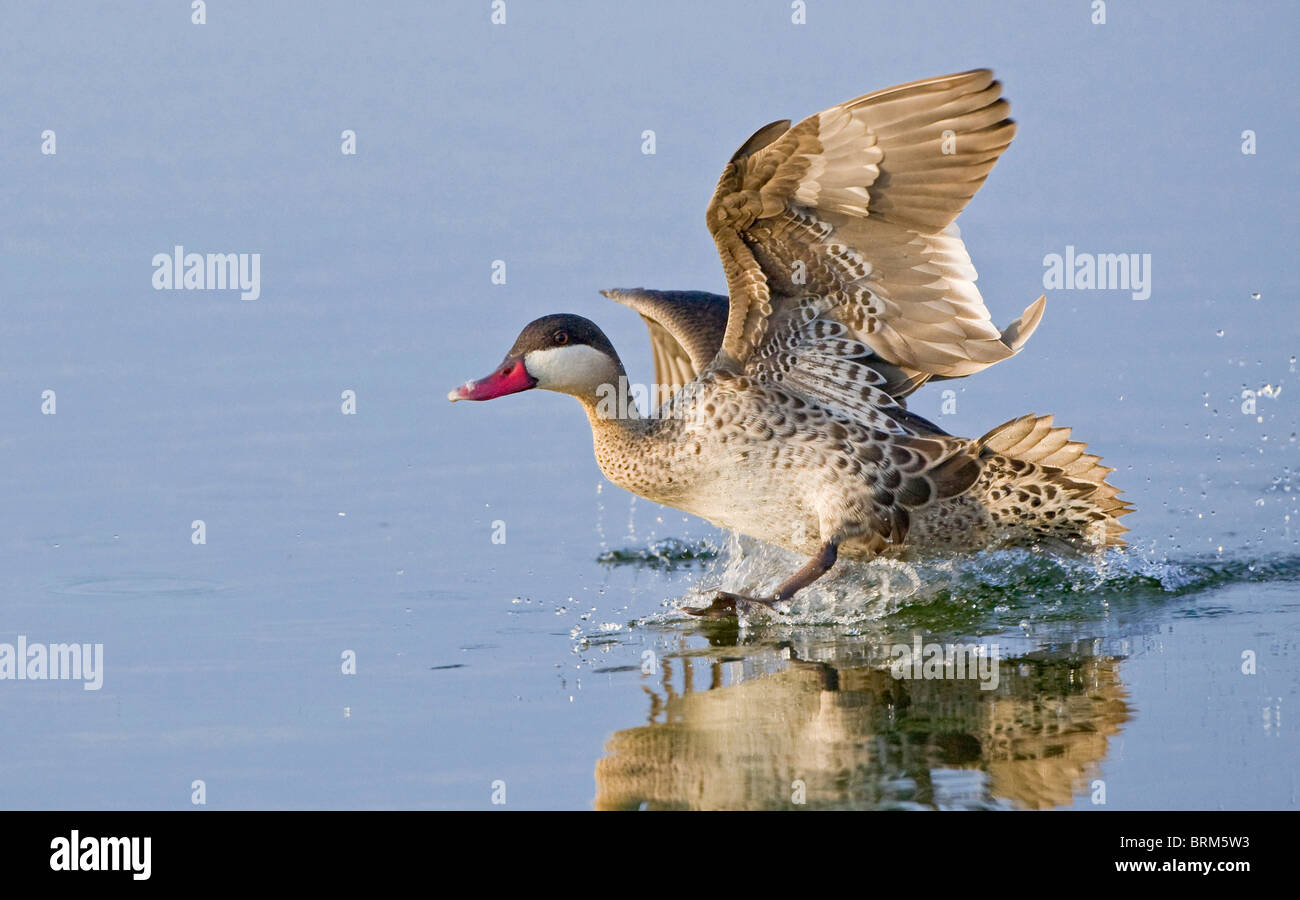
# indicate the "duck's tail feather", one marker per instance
pixel 1040 483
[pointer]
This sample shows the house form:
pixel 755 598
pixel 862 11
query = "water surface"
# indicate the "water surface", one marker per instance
pixel 558 662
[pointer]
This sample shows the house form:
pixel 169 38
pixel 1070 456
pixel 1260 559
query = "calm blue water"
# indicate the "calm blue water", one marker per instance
pixel 525 662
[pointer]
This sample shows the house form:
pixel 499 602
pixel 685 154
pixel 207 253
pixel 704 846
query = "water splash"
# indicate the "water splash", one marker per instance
pixel 1007 586
pixel 668 553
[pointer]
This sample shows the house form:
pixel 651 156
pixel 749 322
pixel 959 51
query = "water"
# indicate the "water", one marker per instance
pixel 525 661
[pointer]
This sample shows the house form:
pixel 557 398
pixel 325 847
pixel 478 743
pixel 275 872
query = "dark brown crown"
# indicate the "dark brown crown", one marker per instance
pixel 561 330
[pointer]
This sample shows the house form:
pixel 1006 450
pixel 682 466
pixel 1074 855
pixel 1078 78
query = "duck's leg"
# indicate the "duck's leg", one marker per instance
pixel 724 605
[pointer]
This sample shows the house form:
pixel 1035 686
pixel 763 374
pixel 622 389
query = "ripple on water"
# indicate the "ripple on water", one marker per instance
pixel 162 586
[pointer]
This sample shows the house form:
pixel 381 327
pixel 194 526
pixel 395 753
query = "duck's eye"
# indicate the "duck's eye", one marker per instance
pixel 561 337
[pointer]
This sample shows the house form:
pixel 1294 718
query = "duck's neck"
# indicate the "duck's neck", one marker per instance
pixel 633 451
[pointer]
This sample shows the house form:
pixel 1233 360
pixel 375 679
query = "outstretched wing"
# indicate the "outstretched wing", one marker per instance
pixel 685 332
pixel 856 204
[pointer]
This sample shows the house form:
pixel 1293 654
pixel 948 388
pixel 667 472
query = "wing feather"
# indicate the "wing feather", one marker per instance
pixel 857 204
pixel 685 332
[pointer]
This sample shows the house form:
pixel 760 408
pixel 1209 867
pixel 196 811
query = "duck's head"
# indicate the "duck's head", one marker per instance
pixel 561 352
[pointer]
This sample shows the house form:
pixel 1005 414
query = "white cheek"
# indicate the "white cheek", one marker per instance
pixel 577 369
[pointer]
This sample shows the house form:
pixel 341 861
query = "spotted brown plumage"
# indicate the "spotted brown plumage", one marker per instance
pixel 781 408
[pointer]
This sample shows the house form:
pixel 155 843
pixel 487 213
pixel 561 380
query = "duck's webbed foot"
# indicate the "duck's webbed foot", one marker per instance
pixel 724 605
pixel 724 602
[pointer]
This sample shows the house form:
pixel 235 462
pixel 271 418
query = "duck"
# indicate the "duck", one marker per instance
pixel 779 410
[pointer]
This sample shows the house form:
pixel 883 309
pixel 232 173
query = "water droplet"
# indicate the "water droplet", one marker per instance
pixel 1254 295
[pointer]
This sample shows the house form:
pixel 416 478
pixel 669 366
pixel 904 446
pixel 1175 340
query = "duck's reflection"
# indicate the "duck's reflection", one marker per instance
pixel 848 734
